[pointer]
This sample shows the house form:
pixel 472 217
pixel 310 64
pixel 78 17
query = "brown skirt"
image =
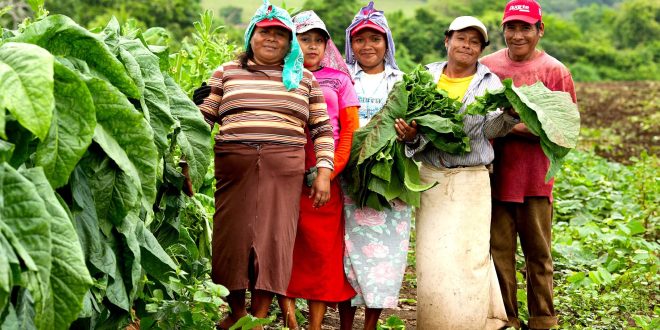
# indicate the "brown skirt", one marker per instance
pixel 257 201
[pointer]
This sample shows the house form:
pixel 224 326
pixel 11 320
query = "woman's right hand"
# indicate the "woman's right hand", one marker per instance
pixel 405 132
pixel 320 191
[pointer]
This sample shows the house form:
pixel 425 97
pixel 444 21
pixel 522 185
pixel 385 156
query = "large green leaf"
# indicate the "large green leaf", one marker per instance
pixel 6 150
pixel 558 115
pixel 97 253
pixel 26 82
pixel 72 129
pixel 155 99
pixel 2 123
pixel 144 68
pixel 7 258
pixel 381 126
pixel 98 249
pixel 125 137
pixel 130 254
pixel 63 37
pixel 551 115
pixel 24 213
pixel 25 311
pixel 116 291
pixel 115 193
pixel 155 260
pixel 441 132
pixel 10 320
pixel 69 278
pixel 193 135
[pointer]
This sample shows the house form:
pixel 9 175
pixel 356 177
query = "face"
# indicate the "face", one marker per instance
pixel 270 45
pixel 464 47
pixel 369 47
pixel 312 43
pixel 521 39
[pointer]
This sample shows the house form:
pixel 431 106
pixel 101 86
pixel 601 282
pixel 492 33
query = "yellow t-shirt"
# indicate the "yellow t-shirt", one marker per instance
pixel 455 87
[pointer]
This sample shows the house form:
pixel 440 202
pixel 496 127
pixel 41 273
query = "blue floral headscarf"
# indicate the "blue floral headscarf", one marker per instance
pixel 377 17
pixel 293 61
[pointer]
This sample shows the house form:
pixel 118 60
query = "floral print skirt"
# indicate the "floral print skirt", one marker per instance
pixel 376 252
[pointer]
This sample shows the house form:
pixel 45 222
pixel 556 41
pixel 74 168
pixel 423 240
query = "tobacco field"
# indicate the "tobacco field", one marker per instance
pixel 96 232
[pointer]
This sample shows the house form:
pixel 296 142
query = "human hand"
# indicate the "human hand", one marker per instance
pixel 320 191
pixel 511 112
pixel 405 132
pixel 201 93
pixel 522 131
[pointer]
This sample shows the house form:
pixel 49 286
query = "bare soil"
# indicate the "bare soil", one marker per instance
pixel 620 119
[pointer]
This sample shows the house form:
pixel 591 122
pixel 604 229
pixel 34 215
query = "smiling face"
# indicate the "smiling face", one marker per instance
pixel 312 43
pixel 521 38
pixel 270 45
pixel 464 47
pixel 369 47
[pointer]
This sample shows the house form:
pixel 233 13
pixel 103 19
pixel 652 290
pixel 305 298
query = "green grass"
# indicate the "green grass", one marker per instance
pixel 249 6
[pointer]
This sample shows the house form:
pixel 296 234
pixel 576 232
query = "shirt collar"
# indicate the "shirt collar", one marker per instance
pixel 436 69
pixel 356 70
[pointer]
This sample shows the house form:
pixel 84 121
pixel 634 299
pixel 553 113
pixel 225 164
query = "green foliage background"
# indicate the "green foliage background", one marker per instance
pixel 606 236
pixel 597 39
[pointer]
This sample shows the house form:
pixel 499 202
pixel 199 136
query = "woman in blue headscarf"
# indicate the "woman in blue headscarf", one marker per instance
pixel 376 241
pixel 263 102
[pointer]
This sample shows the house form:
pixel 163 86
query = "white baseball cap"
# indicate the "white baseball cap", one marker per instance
pixel 463 22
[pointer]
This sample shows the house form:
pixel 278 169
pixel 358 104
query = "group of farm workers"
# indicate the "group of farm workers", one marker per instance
pixel 287 108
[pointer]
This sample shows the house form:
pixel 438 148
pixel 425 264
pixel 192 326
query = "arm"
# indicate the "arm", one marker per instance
pixel 211 103
pixel 499 123
pixel 414 141
pixel 522 131
pixel 320 129
pixel 321 133
pixel 207 98
pixel 348 122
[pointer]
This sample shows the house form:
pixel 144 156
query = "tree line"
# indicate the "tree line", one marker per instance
pixel 597 39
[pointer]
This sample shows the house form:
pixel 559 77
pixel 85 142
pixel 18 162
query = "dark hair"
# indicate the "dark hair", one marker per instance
pixel 484 43
pixel 244 57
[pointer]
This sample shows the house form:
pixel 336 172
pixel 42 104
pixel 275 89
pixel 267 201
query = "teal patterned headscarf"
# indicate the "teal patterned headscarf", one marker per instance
pixel 293 61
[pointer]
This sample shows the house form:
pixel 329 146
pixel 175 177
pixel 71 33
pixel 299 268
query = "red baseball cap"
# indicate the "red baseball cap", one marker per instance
pixel 267 22
pixel 367 24
pixel 528 11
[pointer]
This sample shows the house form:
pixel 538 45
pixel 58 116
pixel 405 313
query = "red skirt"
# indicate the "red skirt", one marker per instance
pixel 318 254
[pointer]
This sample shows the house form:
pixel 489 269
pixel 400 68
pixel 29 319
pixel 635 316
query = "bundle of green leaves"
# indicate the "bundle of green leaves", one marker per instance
pixel 378 170
pixel 550 115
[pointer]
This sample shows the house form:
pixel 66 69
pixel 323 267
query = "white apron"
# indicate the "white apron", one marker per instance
pixel 457 286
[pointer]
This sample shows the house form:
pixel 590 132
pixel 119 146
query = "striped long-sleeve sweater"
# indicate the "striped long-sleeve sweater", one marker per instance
pixel 254 106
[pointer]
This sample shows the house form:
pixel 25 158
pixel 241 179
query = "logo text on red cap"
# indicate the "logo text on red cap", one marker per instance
pixel 522 8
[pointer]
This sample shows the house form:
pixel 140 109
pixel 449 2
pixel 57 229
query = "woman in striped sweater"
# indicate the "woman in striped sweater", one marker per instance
pixel 264 102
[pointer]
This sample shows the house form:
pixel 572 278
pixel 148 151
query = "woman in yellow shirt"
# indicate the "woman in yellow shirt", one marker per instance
pixel 457 286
